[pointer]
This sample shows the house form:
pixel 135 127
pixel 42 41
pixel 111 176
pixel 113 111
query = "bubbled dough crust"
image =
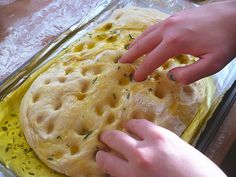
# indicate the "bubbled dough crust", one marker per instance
pixel 87 91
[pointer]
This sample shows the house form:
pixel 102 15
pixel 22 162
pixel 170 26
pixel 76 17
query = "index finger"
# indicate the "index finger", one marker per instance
pixel 119 142
pixel 142 128
pixel 147 31
pixel 143 46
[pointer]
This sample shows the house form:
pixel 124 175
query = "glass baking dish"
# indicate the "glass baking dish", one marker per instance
pixel 25 75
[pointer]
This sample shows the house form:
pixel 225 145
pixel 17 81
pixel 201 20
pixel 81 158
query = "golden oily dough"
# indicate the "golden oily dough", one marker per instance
pixel 87 91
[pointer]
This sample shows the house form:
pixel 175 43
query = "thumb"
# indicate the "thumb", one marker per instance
pixel 205 66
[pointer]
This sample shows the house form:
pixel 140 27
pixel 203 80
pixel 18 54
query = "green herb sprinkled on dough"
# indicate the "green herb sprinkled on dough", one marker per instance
pixel 13 157
pixel 50 158
pixel 118 68
pixel 94 80
pixel 112 31
pixel 4 128
pixel 150 89
pixel 59 137
pixel 87 134
pixel 130 37
pixel 7 149
pixel 13 115
pixel 26 150
pixel 90 35
pixel 128 95
pixel 31 173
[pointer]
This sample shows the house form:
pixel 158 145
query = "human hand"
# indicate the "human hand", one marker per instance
pixel 155 152
pixel 207 32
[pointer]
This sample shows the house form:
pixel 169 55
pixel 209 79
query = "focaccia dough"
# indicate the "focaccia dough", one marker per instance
pixel 87 91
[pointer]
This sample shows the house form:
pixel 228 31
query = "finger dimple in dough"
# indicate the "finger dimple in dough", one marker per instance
pixel 80 96
pixel 61 79
pixel 88 91
pixel 47 81
pixel 36 97
pixel 68 70
pixel 99 110
pixel 91 70
pixel 110 118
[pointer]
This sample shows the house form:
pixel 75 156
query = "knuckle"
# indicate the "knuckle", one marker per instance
pixel 135 123
pixel 172 20
pixel 174 40
pixel 159 137
pixel 142 159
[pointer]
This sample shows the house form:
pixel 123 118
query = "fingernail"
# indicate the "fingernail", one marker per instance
pixel 171 76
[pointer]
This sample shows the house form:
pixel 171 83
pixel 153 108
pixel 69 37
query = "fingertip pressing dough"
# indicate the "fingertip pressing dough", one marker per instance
pixel 87 91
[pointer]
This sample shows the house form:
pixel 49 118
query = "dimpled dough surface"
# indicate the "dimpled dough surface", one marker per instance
pixel 87 91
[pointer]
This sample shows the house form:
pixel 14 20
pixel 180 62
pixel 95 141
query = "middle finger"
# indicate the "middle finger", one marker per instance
pixel 147 31
pixel 119 142
pixel 143 46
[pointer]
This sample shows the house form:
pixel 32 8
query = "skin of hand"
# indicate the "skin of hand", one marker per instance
pixel 207 32
pixel 154 152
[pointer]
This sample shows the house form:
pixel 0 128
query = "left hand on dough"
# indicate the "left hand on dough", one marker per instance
pixel 156 153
